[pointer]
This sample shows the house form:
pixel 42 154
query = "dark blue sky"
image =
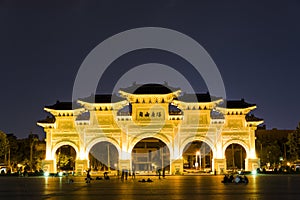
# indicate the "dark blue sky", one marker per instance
pixel 42 45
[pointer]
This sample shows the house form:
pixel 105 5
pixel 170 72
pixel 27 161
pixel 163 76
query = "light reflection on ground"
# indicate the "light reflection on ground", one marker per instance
pixel 173 187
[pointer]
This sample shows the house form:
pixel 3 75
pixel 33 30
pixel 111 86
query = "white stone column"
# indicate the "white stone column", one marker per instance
pixel 252 164
pixel 219 165
pixel 219 161
pixel 252 153
pixel 49 166
pixel 125 156
pixel 48 145
pixel 81 166
pixel 176 167
pixel 176 160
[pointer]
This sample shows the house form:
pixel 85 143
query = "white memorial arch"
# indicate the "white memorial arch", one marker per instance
pixel 173 119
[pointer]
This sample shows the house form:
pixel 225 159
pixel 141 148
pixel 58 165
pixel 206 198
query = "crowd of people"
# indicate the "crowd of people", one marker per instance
pixel 237 179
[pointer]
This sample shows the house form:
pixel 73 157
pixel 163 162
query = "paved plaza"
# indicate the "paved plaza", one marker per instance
pixel 172 187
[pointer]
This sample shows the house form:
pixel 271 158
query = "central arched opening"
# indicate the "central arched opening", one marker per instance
pixel 103 156
pixel 150 155
pixel 197 157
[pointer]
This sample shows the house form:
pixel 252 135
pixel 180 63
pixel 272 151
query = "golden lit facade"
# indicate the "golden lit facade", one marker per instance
pixel 150 116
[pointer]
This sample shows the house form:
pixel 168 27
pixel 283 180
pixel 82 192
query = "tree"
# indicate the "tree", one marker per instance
pixel 65 157
pixel 12 150
pixel 64 161
pixel 273 144
pixel 27 151
pixel 23 151
pixel 294 144
pixel 32 139
pixel 3 146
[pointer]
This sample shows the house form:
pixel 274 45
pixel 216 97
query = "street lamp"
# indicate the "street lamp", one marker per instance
pixel 31 149
pixel 197 154
pixel 200 160
pixel 108 159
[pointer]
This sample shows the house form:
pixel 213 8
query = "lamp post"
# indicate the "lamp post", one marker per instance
pixel 31 149
pixel 200 160
pixel 204 158
pixel 197 154
pixel 108 160
pixel 232 151
pixel 7 154
pixel 162 158
pixel 284 149
pixel 261 152
pixel 8 160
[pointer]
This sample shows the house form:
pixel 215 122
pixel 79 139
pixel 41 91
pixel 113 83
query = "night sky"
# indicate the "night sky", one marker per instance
pixel 255 45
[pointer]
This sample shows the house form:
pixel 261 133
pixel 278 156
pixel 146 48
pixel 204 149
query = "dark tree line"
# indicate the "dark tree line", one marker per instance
pixel 24 154
pixel 294 144
pixel 278 146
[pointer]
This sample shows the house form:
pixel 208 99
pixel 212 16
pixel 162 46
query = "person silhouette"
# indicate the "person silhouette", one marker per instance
pixel 88 176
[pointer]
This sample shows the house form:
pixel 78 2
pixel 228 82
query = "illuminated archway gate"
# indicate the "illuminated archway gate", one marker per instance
pixel 150 115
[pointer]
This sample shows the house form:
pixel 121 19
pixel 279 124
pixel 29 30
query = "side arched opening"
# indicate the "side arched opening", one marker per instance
pixel 197 157
pixel 235 155
pixel 65 157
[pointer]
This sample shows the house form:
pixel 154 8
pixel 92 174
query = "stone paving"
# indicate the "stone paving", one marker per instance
pixel 170 188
